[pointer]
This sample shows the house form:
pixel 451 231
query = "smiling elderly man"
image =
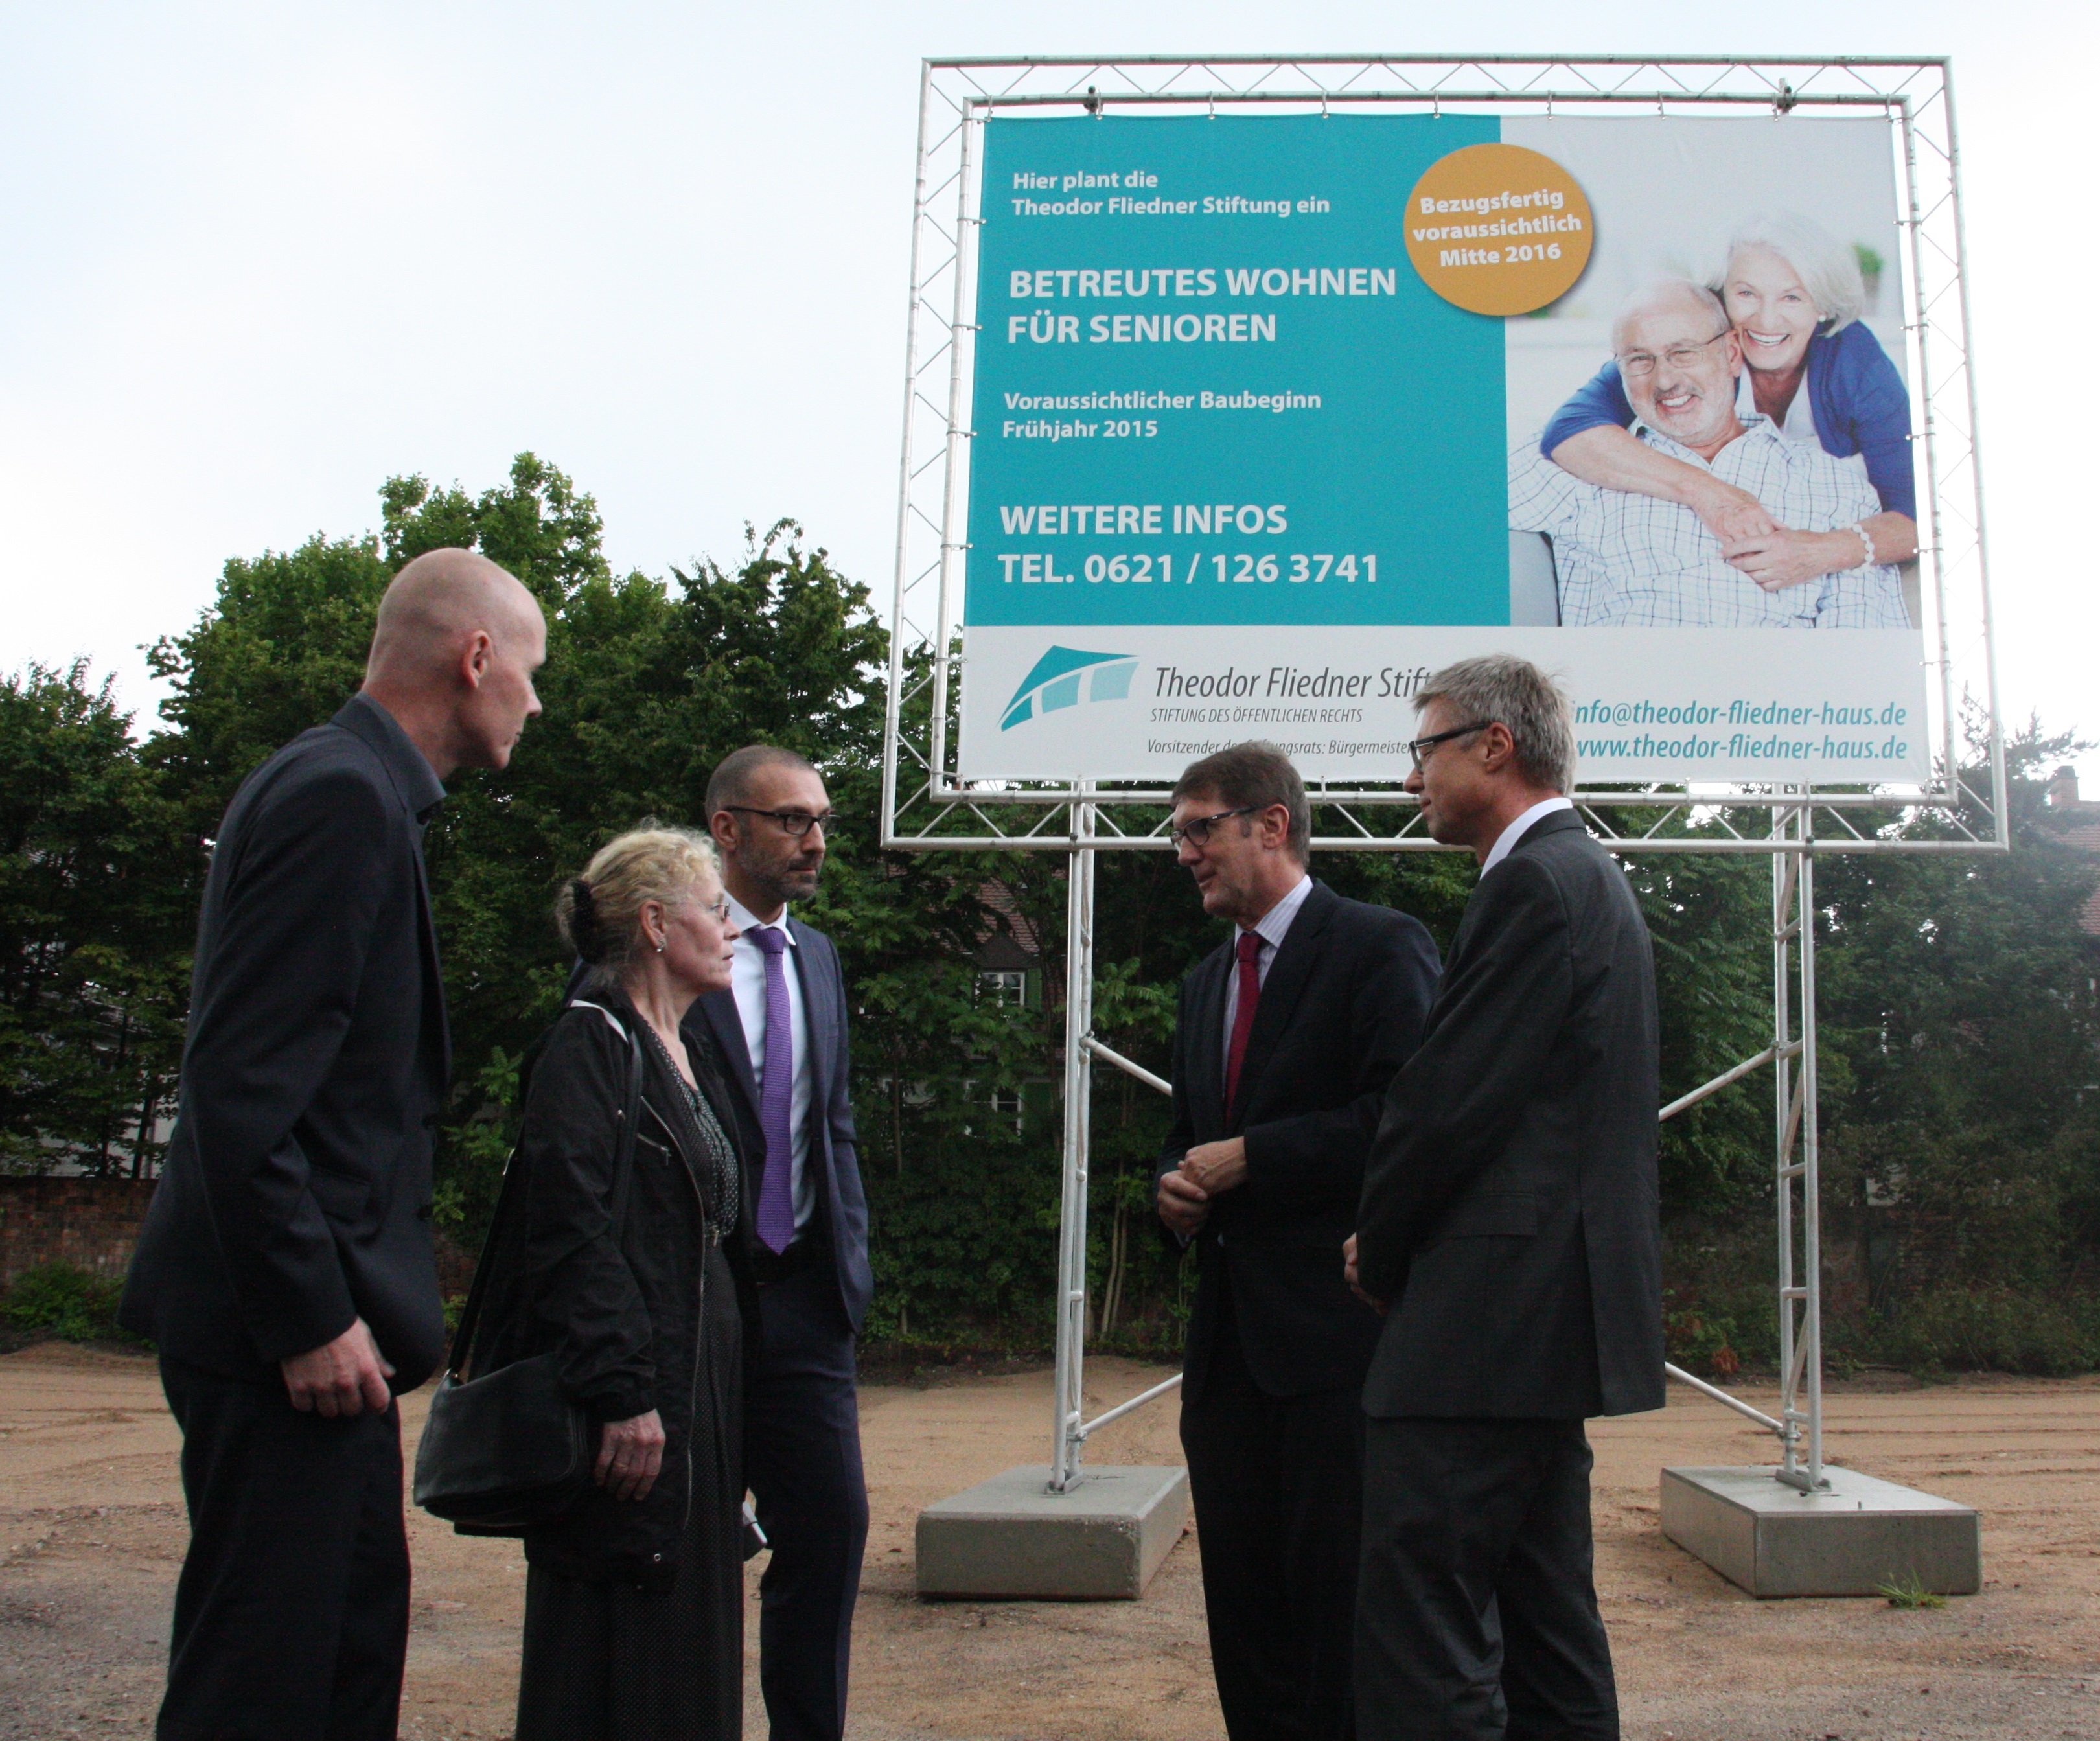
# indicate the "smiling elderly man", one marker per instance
pixel 1625 560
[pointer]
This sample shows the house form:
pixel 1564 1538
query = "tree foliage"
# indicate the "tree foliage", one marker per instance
pixel 95 910
pixel 1960 1027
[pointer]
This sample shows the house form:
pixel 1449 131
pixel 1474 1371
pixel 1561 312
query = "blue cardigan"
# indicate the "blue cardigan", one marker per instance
pixel 1858 399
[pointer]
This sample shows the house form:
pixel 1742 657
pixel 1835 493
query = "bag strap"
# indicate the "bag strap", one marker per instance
pixel 623 1174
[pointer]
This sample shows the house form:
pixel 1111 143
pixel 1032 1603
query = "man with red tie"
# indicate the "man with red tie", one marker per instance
pixel 1288 1036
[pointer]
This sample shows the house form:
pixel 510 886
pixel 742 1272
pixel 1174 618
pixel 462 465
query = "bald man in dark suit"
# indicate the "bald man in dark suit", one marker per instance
pixel 286 1267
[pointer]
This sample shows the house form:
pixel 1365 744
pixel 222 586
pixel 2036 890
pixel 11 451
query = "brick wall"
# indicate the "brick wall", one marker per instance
pixel 93 1223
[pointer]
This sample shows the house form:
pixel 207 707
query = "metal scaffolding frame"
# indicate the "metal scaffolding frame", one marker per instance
pixel 926 806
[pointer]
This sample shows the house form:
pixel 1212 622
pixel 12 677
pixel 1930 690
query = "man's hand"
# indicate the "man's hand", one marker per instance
pixel 630 1456
pixel 345 1377
pixel 1183 1206
pixel 1213 1167
pixel 1355 1284
pixel 1731 515
pixel 1784 558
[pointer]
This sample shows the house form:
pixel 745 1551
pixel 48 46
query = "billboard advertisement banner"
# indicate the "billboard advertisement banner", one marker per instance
pixel 1275 415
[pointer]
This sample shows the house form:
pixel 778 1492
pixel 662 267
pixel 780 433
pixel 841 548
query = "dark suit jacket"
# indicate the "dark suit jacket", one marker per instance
pixel 841 1217
pixel 296 1195
pixel 1340 1010
pixel 1510 1202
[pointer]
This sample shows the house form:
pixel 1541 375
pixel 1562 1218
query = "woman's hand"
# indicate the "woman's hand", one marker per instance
pixel 630 1456
pixel 1784 558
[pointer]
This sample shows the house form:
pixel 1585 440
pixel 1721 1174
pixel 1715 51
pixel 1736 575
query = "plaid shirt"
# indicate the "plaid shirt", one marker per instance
pixel 1624 560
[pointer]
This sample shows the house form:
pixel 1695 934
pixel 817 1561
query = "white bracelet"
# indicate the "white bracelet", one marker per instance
pixel 1866 542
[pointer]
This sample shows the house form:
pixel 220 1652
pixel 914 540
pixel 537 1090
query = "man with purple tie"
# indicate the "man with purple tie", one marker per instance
pixel 781 1031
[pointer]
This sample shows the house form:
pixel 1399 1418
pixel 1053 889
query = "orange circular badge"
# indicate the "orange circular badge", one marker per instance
pixel 1499 229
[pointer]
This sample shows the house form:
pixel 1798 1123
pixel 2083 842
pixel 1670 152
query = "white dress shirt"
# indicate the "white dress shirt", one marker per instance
pixel 1271 929
pixel 747 983
pixel 1506 841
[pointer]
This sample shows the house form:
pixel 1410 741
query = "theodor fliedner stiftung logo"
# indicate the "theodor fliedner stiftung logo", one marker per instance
pixel 1064 678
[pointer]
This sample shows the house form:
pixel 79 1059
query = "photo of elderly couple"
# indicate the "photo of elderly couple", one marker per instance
pixel 1742 457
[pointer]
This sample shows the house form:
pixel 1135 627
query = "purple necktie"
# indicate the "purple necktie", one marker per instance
pixel 776 1096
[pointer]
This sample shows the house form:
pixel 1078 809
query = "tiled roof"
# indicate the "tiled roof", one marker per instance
pixel 999 897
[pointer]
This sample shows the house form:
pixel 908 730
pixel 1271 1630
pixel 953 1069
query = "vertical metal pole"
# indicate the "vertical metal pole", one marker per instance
pixel 1800 1235
pixel 953 547
pixel 892 715
pixel 2000 803
pixel 1065 1444
pixel 1809 1393
pixel 1784 869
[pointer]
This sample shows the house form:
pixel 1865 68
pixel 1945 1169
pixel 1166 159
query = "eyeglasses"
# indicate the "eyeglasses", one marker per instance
pixel 1418 750
pixel 795 822
pixel 1198 828
pixel 1638 364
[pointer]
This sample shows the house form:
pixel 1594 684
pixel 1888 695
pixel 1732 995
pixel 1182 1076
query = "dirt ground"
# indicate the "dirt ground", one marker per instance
pixel 91 1533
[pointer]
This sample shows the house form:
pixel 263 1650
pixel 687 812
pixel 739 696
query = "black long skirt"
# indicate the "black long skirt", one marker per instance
pixel 607 1662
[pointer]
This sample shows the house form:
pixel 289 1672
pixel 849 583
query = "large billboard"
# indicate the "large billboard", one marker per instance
pixel 1275 415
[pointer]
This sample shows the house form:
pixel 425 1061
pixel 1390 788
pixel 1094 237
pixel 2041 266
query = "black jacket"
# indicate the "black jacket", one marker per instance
pixel 296 1196
pixel 1340 1010
pixel 621 1308
pixel 1510 1203
pixel 841 1203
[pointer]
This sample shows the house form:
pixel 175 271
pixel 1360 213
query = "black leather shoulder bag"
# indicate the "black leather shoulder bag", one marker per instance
pixel 505 1451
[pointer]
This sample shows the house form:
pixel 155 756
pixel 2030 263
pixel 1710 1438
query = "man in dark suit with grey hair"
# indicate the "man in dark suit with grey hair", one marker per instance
pixel 1509 1225
pixel 285 1267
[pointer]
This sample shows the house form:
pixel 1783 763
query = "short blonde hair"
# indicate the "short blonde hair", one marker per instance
pixel 600 912
pixel 1829 270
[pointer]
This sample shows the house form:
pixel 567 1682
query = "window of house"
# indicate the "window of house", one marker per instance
pixel 1002 987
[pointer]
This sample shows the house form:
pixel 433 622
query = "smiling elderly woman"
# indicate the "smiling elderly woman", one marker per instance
pixel 634 1600
pixel 1793 294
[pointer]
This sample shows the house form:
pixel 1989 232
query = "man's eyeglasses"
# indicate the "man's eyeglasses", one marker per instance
pixel 1198 828
pixel 1637 364
pixel 1419 749
pixel 795 822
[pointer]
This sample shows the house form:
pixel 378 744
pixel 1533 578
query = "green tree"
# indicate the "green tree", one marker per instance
pixel 1960 1016
pixel 93 930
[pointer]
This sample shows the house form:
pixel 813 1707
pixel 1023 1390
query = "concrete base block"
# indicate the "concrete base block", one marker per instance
pixel 1775 1540
pixel 1011 1536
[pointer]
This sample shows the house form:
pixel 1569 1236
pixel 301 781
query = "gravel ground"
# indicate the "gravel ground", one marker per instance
pixel 91 1534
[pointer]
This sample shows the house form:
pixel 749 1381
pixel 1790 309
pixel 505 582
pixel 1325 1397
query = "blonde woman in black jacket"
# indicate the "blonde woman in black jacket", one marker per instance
pixel 633 1604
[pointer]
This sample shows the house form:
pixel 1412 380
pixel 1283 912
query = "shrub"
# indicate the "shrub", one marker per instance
pixel 1986 1329
pixel 64 1300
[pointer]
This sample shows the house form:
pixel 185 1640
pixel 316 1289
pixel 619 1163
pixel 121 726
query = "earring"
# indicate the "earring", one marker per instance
pixel 659 945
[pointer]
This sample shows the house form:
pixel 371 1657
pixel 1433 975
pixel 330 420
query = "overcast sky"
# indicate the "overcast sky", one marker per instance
pixel 255 257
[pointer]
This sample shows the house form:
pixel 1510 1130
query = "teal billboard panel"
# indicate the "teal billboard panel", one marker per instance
pixel 1210 387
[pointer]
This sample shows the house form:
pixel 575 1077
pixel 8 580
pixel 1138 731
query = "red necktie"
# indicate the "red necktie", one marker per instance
pixel 1243 1012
